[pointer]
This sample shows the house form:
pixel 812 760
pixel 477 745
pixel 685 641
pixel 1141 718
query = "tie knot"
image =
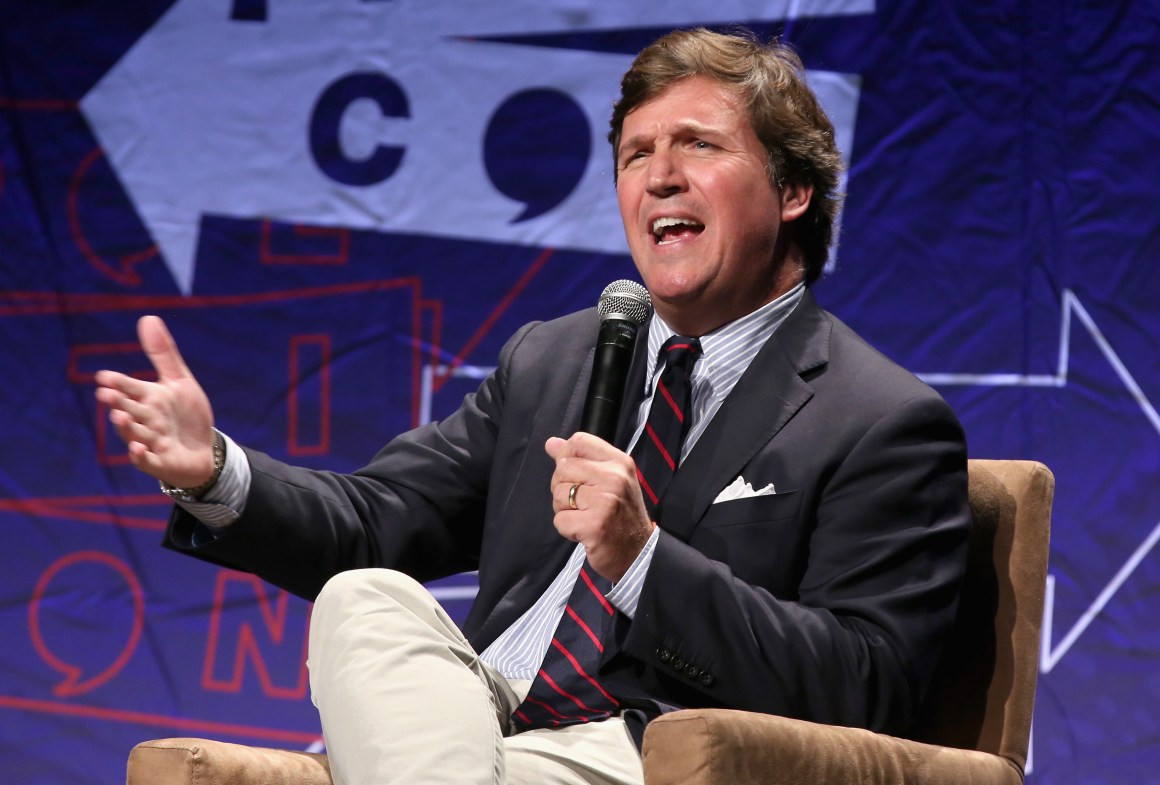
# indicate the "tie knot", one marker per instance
pixel 681 352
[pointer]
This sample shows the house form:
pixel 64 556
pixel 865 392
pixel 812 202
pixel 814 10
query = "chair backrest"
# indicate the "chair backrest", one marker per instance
pixel 984 688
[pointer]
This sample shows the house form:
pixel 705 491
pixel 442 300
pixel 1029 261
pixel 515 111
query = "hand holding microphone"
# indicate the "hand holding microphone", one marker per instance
pixel 595 492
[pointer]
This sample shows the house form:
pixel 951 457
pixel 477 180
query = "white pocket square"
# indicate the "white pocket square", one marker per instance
pixel 740 489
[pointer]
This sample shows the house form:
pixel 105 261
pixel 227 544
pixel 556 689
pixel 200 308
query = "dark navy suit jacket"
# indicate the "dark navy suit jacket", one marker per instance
pixel 827 601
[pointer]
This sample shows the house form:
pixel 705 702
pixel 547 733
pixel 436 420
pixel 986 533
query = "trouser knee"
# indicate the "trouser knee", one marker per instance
pixel 353 592
pixel 351 586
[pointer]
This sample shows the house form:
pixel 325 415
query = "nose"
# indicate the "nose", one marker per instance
pixel 665 173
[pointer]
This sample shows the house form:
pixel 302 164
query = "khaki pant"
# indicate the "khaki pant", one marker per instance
pixel 404 698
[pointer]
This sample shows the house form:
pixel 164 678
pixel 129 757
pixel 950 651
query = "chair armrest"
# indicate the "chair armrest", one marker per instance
pixel 188 761
pixel 713 746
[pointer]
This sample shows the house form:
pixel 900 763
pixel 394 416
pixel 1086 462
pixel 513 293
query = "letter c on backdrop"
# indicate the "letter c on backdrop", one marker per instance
pixel 326 119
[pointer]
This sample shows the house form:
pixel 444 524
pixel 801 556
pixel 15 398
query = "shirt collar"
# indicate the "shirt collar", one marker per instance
pixel 728 350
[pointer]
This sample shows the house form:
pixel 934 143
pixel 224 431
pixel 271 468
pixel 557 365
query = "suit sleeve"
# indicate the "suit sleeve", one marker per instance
pixel 418 506
pixel 856 646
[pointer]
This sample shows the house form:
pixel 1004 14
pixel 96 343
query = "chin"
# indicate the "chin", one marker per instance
pixel 675 285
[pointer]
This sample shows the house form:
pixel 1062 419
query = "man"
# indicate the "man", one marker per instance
pixel 810 542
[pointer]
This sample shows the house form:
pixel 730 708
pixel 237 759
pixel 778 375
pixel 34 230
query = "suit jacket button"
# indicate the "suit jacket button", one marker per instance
pixel 692 671
pixel 664 655
pixel 707 679
pixel 677 663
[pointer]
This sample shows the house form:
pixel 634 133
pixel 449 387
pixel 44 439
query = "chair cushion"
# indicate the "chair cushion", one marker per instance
pixel 715 746
pixel 190 761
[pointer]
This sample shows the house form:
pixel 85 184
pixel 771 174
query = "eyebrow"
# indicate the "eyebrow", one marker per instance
pixel 682 128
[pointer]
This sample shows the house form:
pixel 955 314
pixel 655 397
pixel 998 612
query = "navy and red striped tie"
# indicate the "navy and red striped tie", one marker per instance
pixel 658 450
pixel 567 690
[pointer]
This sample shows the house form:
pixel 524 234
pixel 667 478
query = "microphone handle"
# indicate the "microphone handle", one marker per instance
pixel 615 344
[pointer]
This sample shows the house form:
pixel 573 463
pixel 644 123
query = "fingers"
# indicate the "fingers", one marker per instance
pixel 127 401
pixel 145 459
pixel 587 460
pixel 132 412
pixel 581 445
pixel 167 425
pixel 597 501
pixel 161 349
pixel 133 431
pixel 132 407
pixel 581 457
pixel 111 386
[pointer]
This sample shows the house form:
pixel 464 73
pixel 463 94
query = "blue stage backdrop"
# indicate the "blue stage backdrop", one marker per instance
pixel 344 208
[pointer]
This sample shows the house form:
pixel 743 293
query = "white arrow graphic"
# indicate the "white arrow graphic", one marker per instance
pixel 1051 654
pixel 206 115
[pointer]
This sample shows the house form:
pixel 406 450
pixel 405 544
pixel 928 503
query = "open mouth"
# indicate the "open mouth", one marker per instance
pixel 666 231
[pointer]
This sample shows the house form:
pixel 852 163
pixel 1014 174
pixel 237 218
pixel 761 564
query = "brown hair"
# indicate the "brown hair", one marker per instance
pixel 783 111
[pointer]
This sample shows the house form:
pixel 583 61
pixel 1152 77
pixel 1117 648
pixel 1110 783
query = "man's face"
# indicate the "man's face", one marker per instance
pixel 700 213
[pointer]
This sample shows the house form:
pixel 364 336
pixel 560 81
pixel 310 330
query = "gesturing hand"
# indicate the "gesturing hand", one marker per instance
pixel 167 424
pixel 606 512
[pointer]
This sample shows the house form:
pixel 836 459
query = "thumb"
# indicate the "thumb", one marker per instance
pixel 555 447
pixel 161 349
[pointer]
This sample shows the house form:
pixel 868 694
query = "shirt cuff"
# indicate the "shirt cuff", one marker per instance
pixel 225 502
pixel 625 595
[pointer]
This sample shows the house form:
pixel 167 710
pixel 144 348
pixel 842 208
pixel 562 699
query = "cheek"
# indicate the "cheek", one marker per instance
pixel 627 194
pixel 756 220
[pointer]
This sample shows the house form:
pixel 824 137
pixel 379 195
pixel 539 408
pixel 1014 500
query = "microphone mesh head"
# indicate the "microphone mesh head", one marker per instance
pixel 625 300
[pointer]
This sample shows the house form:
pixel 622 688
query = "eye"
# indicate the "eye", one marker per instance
pixel 701 144
pixel 630 157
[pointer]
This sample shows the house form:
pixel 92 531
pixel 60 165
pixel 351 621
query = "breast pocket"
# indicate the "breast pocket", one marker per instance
pixel 773 507
pixel 760 538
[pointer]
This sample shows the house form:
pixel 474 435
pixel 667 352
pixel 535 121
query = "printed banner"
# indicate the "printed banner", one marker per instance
pixel 344 209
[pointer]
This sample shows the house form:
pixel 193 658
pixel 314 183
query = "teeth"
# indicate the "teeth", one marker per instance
pixel 664 223
pixel 661 224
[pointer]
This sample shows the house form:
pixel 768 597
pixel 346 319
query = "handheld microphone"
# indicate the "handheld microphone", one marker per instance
pixel 624 306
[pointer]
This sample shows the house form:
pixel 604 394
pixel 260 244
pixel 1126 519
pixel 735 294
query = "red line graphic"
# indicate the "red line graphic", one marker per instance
pixel 66 507
pixel 493 317
pixel 184 724
pixel 52 303
pixel 38 104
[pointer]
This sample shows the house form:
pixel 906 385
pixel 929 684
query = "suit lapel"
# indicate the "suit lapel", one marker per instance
pixel 767 396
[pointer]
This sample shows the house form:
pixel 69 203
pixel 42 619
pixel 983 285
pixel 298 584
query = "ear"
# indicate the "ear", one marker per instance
pixel 795 200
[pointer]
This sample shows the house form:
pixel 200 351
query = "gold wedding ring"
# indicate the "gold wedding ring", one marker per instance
pixel 572 496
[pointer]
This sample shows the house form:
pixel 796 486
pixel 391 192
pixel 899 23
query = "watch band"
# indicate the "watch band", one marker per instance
pixel 219 463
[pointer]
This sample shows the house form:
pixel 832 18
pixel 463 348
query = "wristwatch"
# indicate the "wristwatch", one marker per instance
pixel 219 463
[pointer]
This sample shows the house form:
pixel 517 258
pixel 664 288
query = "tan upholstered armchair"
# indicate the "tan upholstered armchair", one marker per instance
pixel 975 728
